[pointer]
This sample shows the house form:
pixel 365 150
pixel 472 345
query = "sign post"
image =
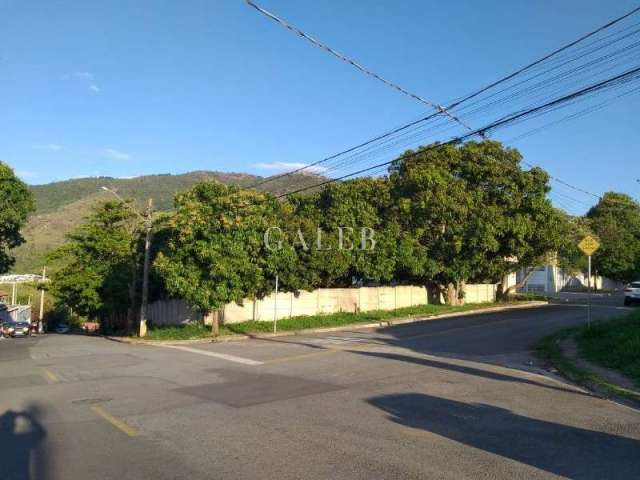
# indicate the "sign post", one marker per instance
pixel 588 245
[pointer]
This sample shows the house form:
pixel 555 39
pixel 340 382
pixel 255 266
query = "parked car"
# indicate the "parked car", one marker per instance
pixel 16 329
pixel 632 293
pixel 62 328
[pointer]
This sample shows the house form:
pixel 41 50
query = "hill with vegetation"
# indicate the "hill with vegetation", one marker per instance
pixel 62 206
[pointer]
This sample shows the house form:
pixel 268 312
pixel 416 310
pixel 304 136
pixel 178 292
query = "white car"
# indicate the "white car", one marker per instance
pixel 632 293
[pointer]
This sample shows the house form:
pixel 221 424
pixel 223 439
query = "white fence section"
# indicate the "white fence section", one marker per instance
pixel 480 293
pixel 325 301
pixel 320 301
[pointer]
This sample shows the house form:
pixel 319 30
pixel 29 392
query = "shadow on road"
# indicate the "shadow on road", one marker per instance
pixel 559 449
pixel 22 437
pixel 464 369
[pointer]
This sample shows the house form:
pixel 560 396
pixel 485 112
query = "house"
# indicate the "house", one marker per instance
pixel 4 296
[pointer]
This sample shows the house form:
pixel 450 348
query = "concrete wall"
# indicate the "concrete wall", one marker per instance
pixel 481 293
pixel 333 300
pixel 320 301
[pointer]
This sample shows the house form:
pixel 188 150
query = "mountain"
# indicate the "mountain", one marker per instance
pixel 62 206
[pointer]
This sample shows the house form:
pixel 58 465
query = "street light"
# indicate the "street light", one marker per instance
pixel 148 224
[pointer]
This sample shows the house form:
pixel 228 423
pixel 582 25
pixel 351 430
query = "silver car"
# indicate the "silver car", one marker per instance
pixel 632 293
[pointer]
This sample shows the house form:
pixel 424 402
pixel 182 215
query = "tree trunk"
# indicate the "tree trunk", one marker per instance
pixel 453 293
pixel 215 323
pixel 504 293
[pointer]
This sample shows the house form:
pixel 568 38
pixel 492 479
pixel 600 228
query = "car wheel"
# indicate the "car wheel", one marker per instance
pixel 627 302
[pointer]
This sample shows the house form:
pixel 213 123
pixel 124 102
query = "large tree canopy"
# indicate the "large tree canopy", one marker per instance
pixel 217 253
pixel 616 222
pixel 473 211
pixel 100 263
pixel 356 217
pixel 16 203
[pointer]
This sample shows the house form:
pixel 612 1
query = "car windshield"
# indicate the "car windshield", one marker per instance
pixel 635 285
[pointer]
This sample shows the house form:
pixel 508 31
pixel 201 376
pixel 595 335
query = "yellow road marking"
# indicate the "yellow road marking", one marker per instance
pixel 119 424
pixel 51 376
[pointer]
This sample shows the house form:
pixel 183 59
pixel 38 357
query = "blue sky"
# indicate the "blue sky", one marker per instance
pixel 126 88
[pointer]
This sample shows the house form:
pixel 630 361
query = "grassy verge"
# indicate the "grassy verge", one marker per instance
pixel 614 344
pixel 195 331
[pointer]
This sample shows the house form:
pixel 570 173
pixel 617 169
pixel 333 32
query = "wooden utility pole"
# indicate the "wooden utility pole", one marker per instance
pixel 148 224
pixel 41 315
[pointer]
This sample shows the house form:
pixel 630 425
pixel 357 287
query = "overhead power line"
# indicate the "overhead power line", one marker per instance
pixel 546 57
pixel 404 129
pixel 627 76
pixel 394 137
pixel 439 108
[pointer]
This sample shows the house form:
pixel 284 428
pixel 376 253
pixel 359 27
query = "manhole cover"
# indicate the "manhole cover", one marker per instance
pixel 90 401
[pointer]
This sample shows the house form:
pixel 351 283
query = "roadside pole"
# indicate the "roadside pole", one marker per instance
pixel 589 295
pixel 147 221
pixel 14 288
pixel 588 245
pixel 148 224
pixel 41 315
pixel 275 309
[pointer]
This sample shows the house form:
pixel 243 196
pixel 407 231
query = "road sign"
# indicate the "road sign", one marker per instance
pixel 588 245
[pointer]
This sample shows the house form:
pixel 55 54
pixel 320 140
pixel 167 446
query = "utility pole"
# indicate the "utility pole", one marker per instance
pixel 147 222
pixel 41 315
pixel 14 288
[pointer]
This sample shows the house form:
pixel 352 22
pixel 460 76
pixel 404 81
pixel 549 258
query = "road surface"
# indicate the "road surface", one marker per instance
pixel 447 399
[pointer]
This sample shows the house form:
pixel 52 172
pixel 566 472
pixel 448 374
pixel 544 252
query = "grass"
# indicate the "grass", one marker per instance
pixel 196 331
pixel 189 331
pixel 614 344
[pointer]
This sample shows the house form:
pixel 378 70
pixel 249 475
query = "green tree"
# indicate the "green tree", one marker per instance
pixel 16 203
pixel 472 213
pixel 616 221
pixel 99 273
pixel 216 253
pixel 356 223
pixel 570 258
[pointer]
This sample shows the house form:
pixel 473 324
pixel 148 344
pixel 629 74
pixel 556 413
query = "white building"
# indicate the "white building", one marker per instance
pixel 552 279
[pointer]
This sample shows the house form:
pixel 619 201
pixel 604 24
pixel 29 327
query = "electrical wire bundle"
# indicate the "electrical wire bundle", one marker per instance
pixel 584 76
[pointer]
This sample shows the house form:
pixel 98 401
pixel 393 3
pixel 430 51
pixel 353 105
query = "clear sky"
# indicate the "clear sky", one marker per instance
pixel 125 88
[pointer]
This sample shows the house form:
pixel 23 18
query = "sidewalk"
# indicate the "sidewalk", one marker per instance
pixel 353 326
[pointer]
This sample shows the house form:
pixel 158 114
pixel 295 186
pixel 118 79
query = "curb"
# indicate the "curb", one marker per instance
pixel 354 326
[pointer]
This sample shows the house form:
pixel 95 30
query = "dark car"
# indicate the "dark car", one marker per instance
pixel 16 329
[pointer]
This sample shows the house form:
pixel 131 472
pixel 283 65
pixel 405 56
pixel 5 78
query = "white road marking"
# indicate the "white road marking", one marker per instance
pixel 222 356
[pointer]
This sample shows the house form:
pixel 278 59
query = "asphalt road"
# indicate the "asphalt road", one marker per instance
pixel 447 399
